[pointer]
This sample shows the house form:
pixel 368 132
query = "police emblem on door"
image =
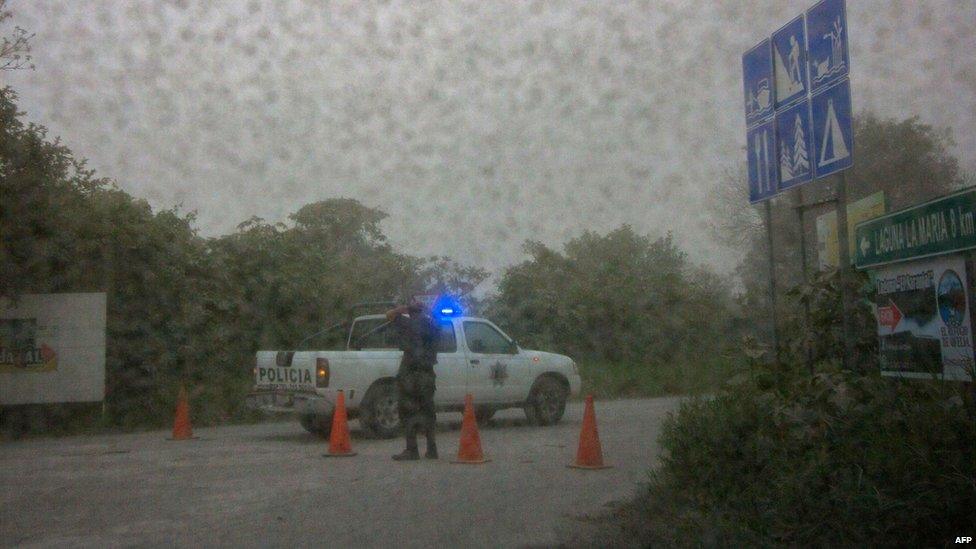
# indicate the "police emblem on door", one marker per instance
pixel 498 373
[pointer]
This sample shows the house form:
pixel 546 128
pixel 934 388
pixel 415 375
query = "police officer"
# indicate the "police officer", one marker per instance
pixel 416 379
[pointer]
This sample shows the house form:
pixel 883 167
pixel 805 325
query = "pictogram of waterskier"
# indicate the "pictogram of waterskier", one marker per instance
pixel 835 62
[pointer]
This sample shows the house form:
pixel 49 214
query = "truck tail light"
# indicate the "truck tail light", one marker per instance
pixel 322 372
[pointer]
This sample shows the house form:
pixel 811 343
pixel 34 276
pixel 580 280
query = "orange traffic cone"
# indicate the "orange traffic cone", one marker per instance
pixel 181 423
pixel 589 455
pixel 339 445
pixel 469 450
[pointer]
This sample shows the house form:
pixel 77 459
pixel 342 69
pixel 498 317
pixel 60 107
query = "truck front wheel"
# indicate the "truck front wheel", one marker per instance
pixel 317 424
pixel 379 410
pixel 547 401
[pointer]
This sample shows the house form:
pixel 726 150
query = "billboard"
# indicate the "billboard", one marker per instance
pixel 52 349
pixel 924 326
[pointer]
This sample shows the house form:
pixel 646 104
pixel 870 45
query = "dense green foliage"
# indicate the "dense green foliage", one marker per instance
pixel 814 333
pixel 798 455
pixel 183 308
pixel 835 459
pixel 631 308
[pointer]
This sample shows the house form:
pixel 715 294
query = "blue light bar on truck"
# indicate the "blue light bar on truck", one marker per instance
pixel 446 305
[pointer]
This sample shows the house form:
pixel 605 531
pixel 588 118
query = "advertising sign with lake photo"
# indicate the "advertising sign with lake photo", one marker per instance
pixel 924 327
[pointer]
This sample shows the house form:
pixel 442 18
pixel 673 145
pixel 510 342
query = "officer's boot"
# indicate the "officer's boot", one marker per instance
pixel 431 445
pixel 411 453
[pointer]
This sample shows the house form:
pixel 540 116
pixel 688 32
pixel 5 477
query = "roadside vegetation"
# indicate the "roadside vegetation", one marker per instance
pixel 188 309
pixel 182 308
pixel 786 459
pixel 782 456
pixel 806 452
pixel 632 310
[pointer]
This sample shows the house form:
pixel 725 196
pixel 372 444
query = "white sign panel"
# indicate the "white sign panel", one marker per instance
pixel 924 327
pixel 52 349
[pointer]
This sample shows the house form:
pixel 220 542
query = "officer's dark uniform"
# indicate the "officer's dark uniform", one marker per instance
pixel 416 381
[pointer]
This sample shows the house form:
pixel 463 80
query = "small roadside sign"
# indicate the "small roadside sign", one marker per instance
pixel 793 145
pixel 833 132
pixel 828 55
pixel 757 77
pixel 763 177
pixel 938 227
pixel 790 63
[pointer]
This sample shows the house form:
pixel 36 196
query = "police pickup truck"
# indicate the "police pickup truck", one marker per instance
pixel 474 356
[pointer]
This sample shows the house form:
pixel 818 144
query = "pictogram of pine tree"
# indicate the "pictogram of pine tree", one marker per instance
pixel 800 161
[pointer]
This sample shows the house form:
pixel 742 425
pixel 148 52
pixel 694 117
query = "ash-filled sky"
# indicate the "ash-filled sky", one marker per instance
pixel 475 125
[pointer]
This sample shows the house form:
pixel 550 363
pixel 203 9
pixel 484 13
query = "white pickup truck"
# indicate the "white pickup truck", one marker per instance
pixel 474 356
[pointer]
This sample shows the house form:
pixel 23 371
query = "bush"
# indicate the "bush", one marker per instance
pixel 834 459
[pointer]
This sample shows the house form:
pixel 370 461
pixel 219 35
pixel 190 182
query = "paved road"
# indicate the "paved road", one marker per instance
pixel 267 484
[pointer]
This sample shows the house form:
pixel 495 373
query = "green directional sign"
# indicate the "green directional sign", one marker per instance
pixel 944 225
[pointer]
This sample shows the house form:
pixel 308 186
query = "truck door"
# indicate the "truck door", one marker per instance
pixel 492 361
pixel 376 340
pixel 451 365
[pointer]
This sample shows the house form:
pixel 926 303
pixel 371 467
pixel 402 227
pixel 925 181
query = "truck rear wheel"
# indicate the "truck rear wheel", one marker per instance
pixel 547 401
pixel 483 415
pixel 380 414
pixel 317 424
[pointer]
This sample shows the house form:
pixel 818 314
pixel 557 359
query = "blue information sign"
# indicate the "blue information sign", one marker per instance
pixel 793 145
pixel 833 136
pixel 757 76
pixel 789 63
pixel 763 177
pixel 827 43
pixel 798 96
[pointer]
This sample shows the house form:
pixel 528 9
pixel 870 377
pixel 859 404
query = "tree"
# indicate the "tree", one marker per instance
pixel 619 297
pixel 14 49
pixel 183 309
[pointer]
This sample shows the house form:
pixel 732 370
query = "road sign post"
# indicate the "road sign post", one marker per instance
pixel 807 351
pixel 844 256
pixel 772 282
pixel 798 94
